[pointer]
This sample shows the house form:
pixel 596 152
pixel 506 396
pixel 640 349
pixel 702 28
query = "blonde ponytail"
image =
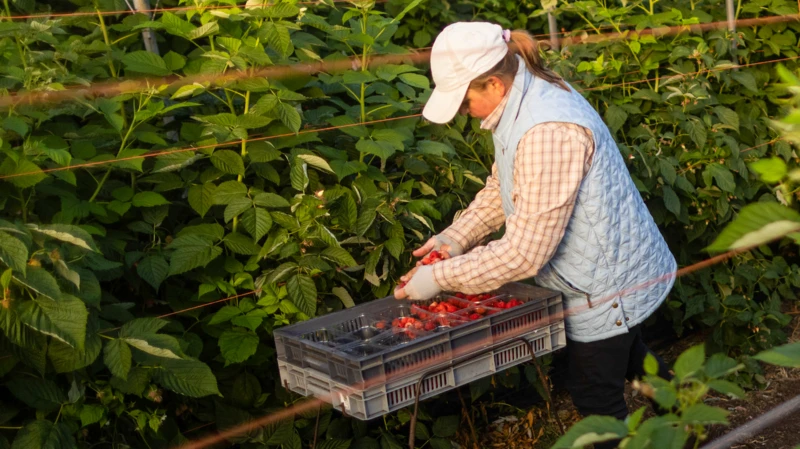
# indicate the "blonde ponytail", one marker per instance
pixel 524 45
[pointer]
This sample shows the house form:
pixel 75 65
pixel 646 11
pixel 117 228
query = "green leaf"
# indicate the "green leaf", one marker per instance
pixel 267 199
pixel 729 388
pixel 25 173
pixel 66 359
pixel 383 150
pixel 722 176
pixel 201 197
pixel 40 281
pixel 446 426
pixel 704 414
pixel 204 30
pixel 117 357
pixel 746 79
pixel 149 199
pixel 145 62
pixel 650 364
pixel 197 252
pixel 257 222
pixel 299 176
pixel 229 191
pixel 334 444
pixel 237 345
pixel 592 429
pixel 615 117
pixel 316 161
pixel 262 152
pixel 697 132
pixel 174 61
pixel 153 269
pixel 719 365
pixel 435 148
pixel 236 207
pixel 406 10
pixel 415 80
pixel 225 314
pixel 727 116
pixel 289 116
pixel 41 434
pixel 40 394
pixel 159 345
pixel 63 319
pixel 228 161
pixel 241 244
pixel 671 200
pixel 787 355
pixel 344 296
pixel 142 326
pixel 303 293
pixel 13 252
pixel 689 362
pixel 187 377
pixel 756 225
pixel 138 379
pixel 339 255
pixel 213 231
pixel 91 414
pixel 67 233
pixel 771 170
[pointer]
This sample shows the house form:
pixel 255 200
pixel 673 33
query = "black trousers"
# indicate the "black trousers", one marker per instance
pixel 598 370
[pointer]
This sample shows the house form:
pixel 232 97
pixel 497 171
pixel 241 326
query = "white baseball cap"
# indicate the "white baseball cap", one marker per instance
pixel 461 53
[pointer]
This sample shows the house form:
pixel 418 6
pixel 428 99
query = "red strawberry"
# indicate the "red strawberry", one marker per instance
pixel 474 317
pixel 435 255
pixel 430 325
pixel 461 295
pixel 380 325
pixel 480 310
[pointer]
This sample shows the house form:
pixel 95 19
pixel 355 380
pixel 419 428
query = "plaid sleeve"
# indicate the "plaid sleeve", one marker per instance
pixel 482 217
pixel 551 162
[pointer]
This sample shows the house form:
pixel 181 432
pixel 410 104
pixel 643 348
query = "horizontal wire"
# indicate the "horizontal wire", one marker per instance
pixel 203 147
pixel 667 78
pixel 60 15
pixel 235 142
pixel 116 87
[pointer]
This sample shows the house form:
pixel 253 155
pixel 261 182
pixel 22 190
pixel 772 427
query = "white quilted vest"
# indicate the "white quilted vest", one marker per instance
pixel 612 252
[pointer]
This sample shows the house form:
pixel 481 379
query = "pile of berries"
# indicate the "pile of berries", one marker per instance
pixel 500 304
pixel 431 258
pixel 451 306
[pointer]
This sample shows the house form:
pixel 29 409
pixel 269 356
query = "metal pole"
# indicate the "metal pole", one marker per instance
pixel 551 22
pixel 149 37
pixel 732 28
pixel 756 426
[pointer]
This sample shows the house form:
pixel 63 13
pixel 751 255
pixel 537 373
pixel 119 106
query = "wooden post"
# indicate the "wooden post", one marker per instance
pixel 551 21
pixel 149 37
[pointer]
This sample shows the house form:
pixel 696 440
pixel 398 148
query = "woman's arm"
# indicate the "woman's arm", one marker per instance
pixel 482 217
pixel 551 162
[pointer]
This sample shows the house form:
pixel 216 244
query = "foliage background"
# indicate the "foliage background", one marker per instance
pixel 321 220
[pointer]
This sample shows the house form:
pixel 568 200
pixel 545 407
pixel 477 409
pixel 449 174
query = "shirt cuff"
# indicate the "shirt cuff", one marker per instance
pixel 456 249
pixel 422 285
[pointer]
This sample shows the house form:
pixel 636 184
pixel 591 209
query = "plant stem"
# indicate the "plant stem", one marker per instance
pixel 10 428
pixel 244 151
pixel 16 38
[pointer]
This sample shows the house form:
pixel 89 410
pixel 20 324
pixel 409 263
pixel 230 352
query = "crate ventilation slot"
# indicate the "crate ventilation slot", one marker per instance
pixel 524 321
pixel 406 394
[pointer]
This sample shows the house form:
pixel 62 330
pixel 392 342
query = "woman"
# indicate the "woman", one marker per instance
pixel 573 218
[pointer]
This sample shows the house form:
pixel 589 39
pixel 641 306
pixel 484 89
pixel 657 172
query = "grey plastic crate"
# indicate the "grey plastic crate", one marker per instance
pixel 398 391
pixel 329 346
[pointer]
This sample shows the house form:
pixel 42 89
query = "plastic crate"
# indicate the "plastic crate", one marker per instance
pixel 346 347
pixel 399 391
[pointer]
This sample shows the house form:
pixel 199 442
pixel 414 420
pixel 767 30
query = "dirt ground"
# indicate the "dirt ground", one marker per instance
pixel 532 428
